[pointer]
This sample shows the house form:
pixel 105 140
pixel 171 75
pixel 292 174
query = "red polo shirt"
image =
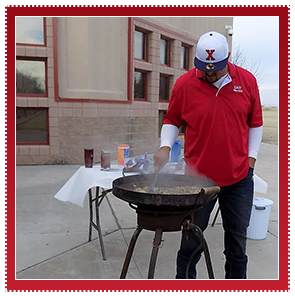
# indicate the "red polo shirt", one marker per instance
pixel 217 123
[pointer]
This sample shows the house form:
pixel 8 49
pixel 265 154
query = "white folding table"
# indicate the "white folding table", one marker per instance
pixel 83 180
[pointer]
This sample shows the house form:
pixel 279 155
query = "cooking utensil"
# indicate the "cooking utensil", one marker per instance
pixel 154 183
pixel 125 189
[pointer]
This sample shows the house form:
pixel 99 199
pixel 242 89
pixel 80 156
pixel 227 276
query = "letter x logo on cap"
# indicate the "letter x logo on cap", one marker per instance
pixel 211 52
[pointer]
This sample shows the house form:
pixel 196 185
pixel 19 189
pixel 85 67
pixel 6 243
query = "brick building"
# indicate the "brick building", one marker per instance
pixel 98 82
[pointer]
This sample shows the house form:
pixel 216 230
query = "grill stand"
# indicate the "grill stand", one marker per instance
pixel 164 222
pixel 203 245
pixel 130 251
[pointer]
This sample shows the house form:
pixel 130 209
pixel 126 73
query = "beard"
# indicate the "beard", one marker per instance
pixel 212 77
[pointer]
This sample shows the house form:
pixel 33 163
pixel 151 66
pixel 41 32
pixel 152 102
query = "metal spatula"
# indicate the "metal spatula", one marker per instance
pixel 153 187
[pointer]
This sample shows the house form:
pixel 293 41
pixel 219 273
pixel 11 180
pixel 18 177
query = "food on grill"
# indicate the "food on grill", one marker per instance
pixel 168 190
pixel 204 190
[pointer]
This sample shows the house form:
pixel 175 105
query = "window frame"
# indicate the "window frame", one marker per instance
pixel 188 56
pixel 160 111
pixel 168 88
pixel 37 59
pixel 169 51
pixel 182 129
pixel 36 44
pixel 47 129
pixel 138 29
pixel 145 86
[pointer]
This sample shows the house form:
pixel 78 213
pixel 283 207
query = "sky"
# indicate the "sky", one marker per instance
pixel 29 30
pixel 257 37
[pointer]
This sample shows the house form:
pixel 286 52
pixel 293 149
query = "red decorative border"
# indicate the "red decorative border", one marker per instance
pixel 281 284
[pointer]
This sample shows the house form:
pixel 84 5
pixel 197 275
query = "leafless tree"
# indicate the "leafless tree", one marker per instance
pixel 240 58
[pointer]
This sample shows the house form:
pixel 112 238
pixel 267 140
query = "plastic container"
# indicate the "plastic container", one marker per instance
pixel 259 219
pixel 105 160
pixel 175 151
pixel 123 154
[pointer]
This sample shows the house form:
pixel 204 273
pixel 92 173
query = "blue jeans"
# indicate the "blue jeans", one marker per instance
pixel 235 203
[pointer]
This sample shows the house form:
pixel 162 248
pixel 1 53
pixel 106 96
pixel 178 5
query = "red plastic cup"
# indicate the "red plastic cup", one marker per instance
pixel 88 158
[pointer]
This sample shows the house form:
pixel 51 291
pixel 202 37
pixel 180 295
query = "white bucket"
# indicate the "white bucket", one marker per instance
pixel 259 220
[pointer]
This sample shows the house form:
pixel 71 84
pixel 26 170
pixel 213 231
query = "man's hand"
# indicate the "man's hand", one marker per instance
pixel 161 157
pixel 251 162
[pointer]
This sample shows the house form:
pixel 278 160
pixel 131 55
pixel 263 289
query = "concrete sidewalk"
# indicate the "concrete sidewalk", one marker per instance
pixel 52 236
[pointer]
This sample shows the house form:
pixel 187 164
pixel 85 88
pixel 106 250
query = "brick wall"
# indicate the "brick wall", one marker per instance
pixel 74 126
pixel 106 134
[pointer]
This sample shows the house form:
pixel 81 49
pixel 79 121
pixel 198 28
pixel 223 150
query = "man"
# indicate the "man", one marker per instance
pixel 220 106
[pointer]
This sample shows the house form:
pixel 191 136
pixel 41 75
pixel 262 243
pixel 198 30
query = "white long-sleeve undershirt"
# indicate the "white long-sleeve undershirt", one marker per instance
pixel 170 132
pixel 254 140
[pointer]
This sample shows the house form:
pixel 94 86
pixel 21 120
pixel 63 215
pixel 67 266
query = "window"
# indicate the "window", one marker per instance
pixel 161 115
pixel 164 88
pixel 140 81
pixel 184 57
pixel 32 126
pixel 140 45
pixel 164 52
pixel 30 77
pixel 161 119
pixel 29 30
pixel 182 129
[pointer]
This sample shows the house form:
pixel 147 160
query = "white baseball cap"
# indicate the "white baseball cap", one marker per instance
pixel 211 52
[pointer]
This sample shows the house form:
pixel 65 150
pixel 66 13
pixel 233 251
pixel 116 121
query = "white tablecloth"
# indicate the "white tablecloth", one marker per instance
pixel 76 187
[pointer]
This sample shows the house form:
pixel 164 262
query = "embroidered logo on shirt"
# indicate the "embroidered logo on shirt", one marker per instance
pixel 238 88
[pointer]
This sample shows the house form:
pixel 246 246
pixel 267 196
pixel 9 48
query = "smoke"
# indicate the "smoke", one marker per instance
pixel 169 168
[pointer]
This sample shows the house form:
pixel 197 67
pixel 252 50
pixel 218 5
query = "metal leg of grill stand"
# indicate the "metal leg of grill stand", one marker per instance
pixel 156 245
pixel 199 233
pixel 129 252
pixel 208 260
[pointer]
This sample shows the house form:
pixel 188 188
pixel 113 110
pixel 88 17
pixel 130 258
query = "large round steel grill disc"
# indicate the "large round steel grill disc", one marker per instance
pixel 124 188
